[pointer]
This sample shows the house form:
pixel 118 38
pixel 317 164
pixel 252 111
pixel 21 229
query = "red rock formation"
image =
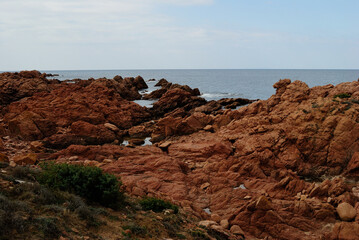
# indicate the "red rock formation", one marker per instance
pixel 274 148
pixel 14 86
pixel 57 115
pixel 275 169
pixel 176 98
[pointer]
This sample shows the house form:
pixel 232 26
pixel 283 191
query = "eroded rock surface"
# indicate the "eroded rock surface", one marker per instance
pixel 275 169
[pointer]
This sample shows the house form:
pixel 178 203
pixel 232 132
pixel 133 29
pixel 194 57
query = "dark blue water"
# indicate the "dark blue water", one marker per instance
pixel 216 84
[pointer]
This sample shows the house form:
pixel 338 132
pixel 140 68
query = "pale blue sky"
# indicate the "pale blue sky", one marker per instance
pixel 171 34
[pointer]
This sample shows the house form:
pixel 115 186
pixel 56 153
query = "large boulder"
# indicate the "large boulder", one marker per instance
pixel 346 211
pixel 176 98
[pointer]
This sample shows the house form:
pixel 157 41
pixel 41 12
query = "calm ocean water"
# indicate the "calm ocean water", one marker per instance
pixel 217 84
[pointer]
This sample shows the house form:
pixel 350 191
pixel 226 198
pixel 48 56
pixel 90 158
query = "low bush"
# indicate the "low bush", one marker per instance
pixel 343 95
pixel 12 216
pixel 136 229
pixel 198 234
pixel 86 181
pixel 87 214
pixel 49 227
pixel 157 205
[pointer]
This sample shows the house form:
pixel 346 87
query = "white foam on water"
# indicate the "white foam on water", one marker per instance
pixel 207 210
pixel 147 142
pixel 145 103
pixel 240 187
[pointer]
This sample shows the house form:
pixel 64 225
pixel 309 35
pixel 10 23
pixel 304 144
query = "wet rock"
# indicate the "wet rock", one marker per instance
pixel 162 82
pixel 176 98
pixel 137 142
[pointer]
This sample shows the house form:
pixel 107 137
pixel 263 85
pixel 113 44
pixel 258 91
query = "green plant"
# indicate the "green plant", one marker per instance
pixel 86 181
pixel 48 227
pixel 198 234
pixel 24 173
pixel 157 205
pixel 136 229
pixel 87 214
pixel 343 95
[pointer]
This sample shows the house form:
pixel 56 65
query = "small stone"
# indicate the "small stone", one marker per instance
pixel 12 164
pixel 165 145
pixel 247 197
pixel 159 218
pixel 207 223
pixel 209 128
pixel 346 212
pixel 107 161
pixel 205 185
pixel 216 218
pixel 136 142
pixel 36 146
pixel 224 223
pixel 237 230
pixel 128 231
pixel 73 158
pixel 111 127
pixel 168 212
pixel 263 203
pixel 29 158
pixel 138 191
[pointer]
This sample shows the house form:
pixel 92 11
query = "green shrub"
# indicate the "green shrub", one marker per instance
pixel 343 95
pixel 48 227
pixel 198 234
pixel 157 205
pixel 87 214
pixel 86 181
pixel 136 229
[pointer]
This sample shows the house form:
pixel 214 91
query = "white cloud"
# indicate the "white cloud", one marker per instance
pixel 124 31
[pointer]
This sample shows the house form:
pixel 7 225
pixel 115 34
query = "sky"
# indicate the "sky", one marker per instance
pixel 178 34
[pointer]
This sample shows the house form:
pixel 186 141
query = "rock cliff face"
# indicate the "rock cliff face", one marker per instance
pixel 282 168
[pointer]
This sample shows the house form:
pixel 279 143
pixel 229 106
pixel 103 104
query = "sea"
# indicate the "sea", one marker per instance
pixel 215 84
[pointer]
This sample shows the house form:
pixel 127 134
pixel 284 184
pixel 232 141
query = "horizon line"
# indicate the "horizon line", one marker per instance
pixel 167 69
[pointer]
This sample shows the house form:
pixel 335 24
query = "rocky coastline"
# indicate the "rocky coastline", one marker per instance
pixel 282 168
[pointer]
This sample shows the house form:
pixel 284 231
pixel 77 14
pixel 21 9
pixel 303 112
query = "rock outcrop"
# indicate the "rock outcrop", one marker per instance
pixel 76 113
pixel 282 168
pixel 14 86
